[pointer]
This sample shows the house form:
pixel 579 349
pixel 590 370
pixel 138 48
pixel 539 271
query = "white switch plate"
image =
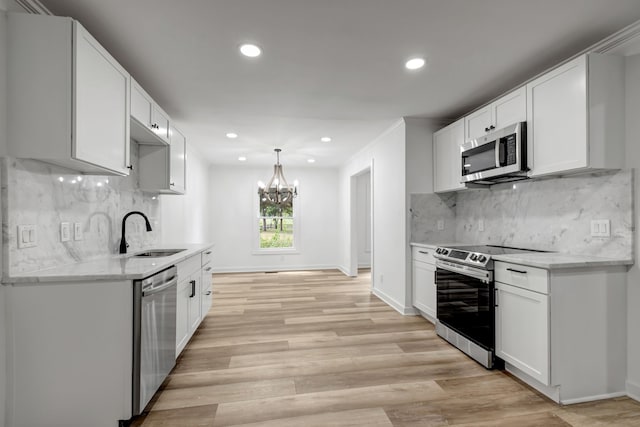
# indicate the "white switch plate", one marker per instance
pixel 441 224
pixel 27 236
pixel 481 225
pixel 600 228
pixel 77 231
pixel 65 232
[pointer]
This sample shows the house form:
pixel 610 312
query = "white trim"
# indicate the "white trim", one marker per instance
pixel 33 6
pixel 551 392
pixel 592 398
pixel 633 390
pixel 276 251
pixel 344 270
pixel 276 268
pixel 400 308
pixel 364 265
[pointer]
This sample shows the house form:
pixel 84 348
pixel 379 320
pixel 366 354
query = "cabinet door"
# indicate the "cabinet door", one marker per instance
pixel 557 117
pixel 195 294
pixel 207 291
pixel 101 106
pixel 182 315
pixel 177 161
pixel 447 166
pixel 424 288
pixel 522 330
pixel 160 123
pixel 140 105
pixel 510 109
pixel 478 123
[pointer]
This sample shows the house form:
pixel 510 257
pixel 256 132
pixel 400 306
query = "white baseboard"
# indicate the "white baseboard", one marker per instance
pixel 344 270
pixel 276 268
pixel 592 398
pixel 400 308
pixel 551 392
pixel 365 265
pixel 633 390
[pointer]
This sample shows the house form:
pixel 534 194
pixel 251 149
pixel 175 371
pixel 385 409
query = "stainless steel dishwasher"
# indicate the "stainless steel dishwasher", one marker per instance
pixel 154 334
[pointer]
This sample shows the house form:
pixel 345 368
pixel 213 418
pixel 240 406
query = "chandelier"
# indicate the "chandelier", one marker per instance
pixel 277 190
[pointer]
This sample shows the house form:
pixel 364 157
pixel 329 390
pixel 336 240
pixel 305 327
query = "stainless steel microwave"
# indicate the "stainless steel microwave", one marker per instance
pixel 500 156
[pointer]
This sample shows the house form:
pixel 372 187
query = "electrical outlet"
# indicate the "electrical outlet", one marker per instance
pixel 441 224
pixel 77 231
pixel 65 232
pixel 601 228
pixel 481 225
pixel 27 236
pixel 381 278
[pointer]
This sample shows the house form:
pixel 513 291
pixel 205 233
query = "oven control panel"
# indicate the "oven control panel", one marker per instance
pixel 470 258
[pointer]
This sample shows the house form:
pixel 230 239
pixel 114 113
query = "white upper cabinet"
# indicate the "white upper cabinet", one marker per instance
pixel 149 123
pixel 509 109
pixel 177 161
pixel 575 116
pixel 163 168
pixel 447 162
pixel 68 98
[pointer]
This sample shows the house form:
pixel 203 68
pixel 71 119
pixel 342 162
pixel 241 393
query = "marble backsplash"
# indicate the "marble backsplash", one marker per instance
pixel 550 214
pixel 426 211
pixel 39 193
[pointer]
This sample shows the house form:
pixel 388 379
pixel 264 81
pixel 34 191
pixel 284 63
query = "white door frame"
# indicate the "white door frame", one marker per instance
pixel 353 243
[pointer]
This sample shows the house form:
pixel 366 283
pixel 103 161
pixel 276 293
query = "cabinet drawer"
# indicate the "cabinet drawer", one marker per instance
pixel 424 254
pixel 207 256
pixel 188 267
pixel 522 276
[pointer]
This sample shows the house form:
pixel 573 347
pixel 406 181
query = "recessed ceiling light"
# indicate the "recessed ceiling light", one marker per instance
pixel 232 135
pixel 242 158
pixel 311 160
pixel 414 63
pixel 250 50
pixel 325 139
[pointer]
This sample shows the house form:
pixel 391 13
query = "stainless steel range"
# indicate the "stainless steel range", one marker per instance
pixel 466 298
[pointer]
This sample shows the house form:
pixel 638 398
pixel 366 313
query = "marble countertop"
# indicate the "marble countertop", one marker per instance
pixel 115 267
pixel 555 260
pixel 548 260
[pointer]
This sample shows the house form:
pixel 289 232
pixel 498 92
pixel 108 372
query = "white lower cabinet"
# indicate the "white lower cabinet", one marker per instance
pixel 522 330
pixel 561 330
pixel 194 296
pixel 424 286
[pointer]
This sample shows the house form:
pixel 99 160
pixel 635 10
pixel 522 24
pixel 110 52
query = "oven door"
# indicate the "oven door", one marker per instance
pixel 466 304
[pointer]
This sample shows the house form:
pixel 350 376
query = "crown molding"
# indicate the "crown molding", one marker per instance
pixel 33 6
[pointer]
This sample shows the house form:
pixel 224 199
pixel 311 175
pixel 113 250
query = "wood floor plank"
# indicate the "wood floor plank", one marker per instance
pixel 316 348
pixel 329 401
pixel 375 417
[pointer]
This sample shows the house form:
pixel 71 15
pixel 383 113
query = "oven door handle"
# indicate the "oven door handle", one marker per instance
pixel 482 275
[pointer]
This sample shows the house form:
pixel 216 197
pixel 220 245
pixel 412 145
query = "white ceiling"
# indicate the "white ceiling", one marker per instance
pixel 332 67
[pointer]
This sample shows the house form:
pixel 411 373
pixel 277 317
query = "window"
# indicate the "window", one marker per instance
pixel 276 225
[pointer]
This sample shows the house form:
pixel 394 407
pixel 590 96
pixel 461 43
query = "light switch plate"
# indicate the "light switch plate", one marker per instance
pixel 600 228
pixel 481 225
pixel 441 224
pixel 65 232
pixel 27 236
pixel 77 231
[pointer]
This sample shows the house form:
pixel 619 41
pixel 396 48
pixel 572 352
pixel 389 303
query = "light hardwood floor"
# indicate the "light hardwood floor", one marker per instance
pixel 318 349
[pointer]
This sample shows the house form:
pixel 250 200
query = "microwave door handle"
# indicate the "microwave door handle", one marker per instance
pixel 501 152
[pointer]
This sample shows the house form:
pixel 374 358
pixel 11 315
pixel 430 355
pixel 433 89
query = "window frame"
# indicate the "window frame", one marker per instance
pixel 257 250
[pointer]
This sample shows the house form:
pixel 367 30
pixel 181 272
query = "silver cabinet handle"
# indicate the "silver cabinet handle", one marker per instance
pixel 207 269
pixel 208 293
pixel 208 253
pixel 496 293
pixel 424 252
pixel 517 271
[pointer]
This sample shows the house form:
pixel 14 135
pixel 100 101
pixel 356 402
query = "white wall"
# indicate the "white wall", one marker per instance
pixel 233 217
pixel 632 91
pixel 363 213
pixel 386 157
pixel 185 219
pixel 3 145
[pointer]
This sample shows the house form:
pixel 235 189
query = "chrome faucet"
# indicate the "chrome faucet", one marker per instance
pixel 123 242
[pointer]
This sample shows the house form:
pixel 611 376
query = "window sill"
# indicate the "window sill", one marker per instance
pixel 276 251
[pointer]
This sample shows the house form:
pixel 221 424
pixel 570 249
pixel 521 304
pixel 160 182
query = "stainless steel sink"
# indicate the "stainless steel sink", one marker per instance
pixel 157 253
